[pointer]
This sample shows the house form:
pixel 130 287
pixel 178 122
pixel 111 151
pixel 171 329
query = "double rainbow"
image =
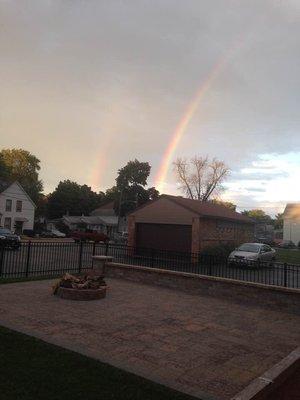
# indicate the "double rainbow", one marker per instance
pixel 181 127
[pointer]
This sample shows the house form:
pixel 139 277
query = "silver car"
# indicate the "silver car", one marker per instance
pixel 252 253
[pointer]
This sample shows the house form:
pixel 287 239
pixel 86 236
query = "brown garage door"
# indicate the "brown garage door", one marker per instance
pixel 164 237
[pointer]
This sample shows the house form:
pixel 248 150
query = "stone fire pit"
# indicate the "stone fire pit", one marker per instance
pixel 90 286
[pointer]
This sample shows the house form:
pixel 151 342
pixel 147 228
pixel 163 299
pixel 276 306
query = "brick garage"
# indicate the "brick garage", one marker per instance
pixel 179 224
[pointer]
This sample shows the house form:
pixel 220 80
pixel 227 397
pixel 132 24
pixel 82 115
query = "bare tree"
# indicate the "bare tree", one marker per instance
pixel 200 178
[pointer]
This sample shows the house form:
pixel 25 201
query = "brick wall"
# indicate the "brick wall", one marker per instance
pixel 217 231
pixel 273 297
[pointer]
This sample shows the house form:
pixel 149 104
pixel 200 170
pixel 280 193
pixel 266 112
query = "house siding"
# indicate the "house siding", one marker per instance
pixel 291 230
pixel 14 192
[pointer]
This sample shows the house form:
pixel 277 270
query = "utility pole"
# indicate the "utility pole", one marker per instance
pixel 119 210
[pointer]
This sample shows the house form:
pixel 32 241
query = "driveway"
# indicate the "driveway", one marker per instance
pixel 199 345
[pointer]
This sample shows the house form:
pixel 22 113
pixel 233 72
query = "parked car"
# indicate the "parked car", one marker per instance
pixel 252 253
pixel 9 239
pixel 28 232
pixel 264 240
pixel 47 234
pixel 287 244
pixel 57 233
pixel 96 237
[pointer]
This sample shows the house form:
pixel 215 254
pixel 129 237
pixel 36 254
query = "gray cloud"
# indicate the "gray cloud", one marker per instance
pixel 87 80
pixel 258 176
pixel 255 189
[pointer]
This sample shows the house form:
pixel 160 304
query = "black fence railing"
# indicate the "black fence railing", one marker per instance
pixel 35 259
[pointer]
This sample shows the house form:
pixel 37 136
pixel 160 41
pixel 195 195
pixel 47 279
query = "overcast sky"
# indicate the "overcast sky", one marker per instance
pixel 88 85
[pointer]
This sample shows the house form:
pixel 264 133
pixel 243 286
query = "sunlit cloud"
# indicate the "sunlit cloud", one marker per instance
pixel 275 183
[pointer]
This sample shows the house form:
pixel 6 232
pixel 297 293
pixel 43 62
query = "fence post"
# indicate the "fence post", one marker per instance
pixel 106 248
pixel 1 258
pixel 80 256
pixel 210 264
pixel 93 253
pixel 152 258
pixel 28 259
pixel 285 274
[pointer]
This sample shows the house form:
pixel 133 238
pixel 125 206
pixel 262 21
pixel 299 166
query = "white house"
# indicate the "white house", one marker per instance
pixel 291 223
pixel 16 207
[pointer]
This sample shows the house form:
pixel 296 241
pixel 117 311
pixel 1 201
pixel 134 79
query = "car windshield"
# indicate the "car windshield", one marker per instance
pixel 4 231
pixel 249 247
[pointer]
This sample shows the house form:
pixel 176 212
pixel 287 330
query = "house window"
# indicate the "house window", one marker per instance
pixel 19 206
pixel 7 223
pixel 8 205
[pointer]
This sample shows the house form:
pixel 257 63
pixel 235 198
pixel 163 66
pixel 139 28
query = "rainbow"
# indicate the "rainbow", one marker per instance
pixel 181 127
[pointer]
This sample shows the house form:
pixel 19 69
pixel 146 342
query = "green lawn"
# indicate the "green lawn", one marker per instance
pixel 288 256
pixel 32 369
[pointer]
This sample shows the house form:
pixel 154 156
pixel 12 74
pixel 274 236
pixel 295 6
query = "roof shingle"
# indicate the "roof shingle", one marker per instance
pixel 208 209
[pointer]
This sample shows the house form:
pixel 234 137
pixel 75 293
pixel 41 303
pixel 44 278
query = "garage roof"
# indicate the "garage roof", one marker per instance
pixel 208 209
pixel 204 209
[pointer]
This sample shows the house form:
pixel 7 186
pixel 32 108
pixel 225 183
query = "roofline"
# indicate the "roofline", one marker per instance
pixel 144 205
pixel 289 205
pixel 20 186
pixel 173 198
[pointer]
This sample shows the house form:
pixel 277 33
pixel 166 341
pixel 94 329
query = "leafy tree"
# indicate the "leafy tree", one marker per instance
pixel 135 173
pixel 41 206
pixel 258 215
pixel 200 178
pixel 4 170
pixel 227 204
pixel 130 189
pixel 21 165
pixel 72 198
pixel 278 222
pixel 112 194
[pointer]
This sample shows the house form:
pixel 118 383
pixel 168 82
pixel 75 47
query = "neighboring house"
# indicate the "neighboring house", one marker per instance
pixel 291 223
pixel 16 207
pixel 264 231
pixel 102 219
pixel 107 209
pixel 179 224
pixel 107 224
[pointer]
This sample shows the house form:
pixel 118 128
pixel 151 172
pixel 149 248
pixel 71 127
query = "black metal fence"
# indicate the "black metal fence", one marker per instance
pixel 34 259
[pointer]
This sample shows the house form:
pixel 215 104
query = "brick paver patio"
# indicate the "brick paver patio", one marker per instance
pixel 199 345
